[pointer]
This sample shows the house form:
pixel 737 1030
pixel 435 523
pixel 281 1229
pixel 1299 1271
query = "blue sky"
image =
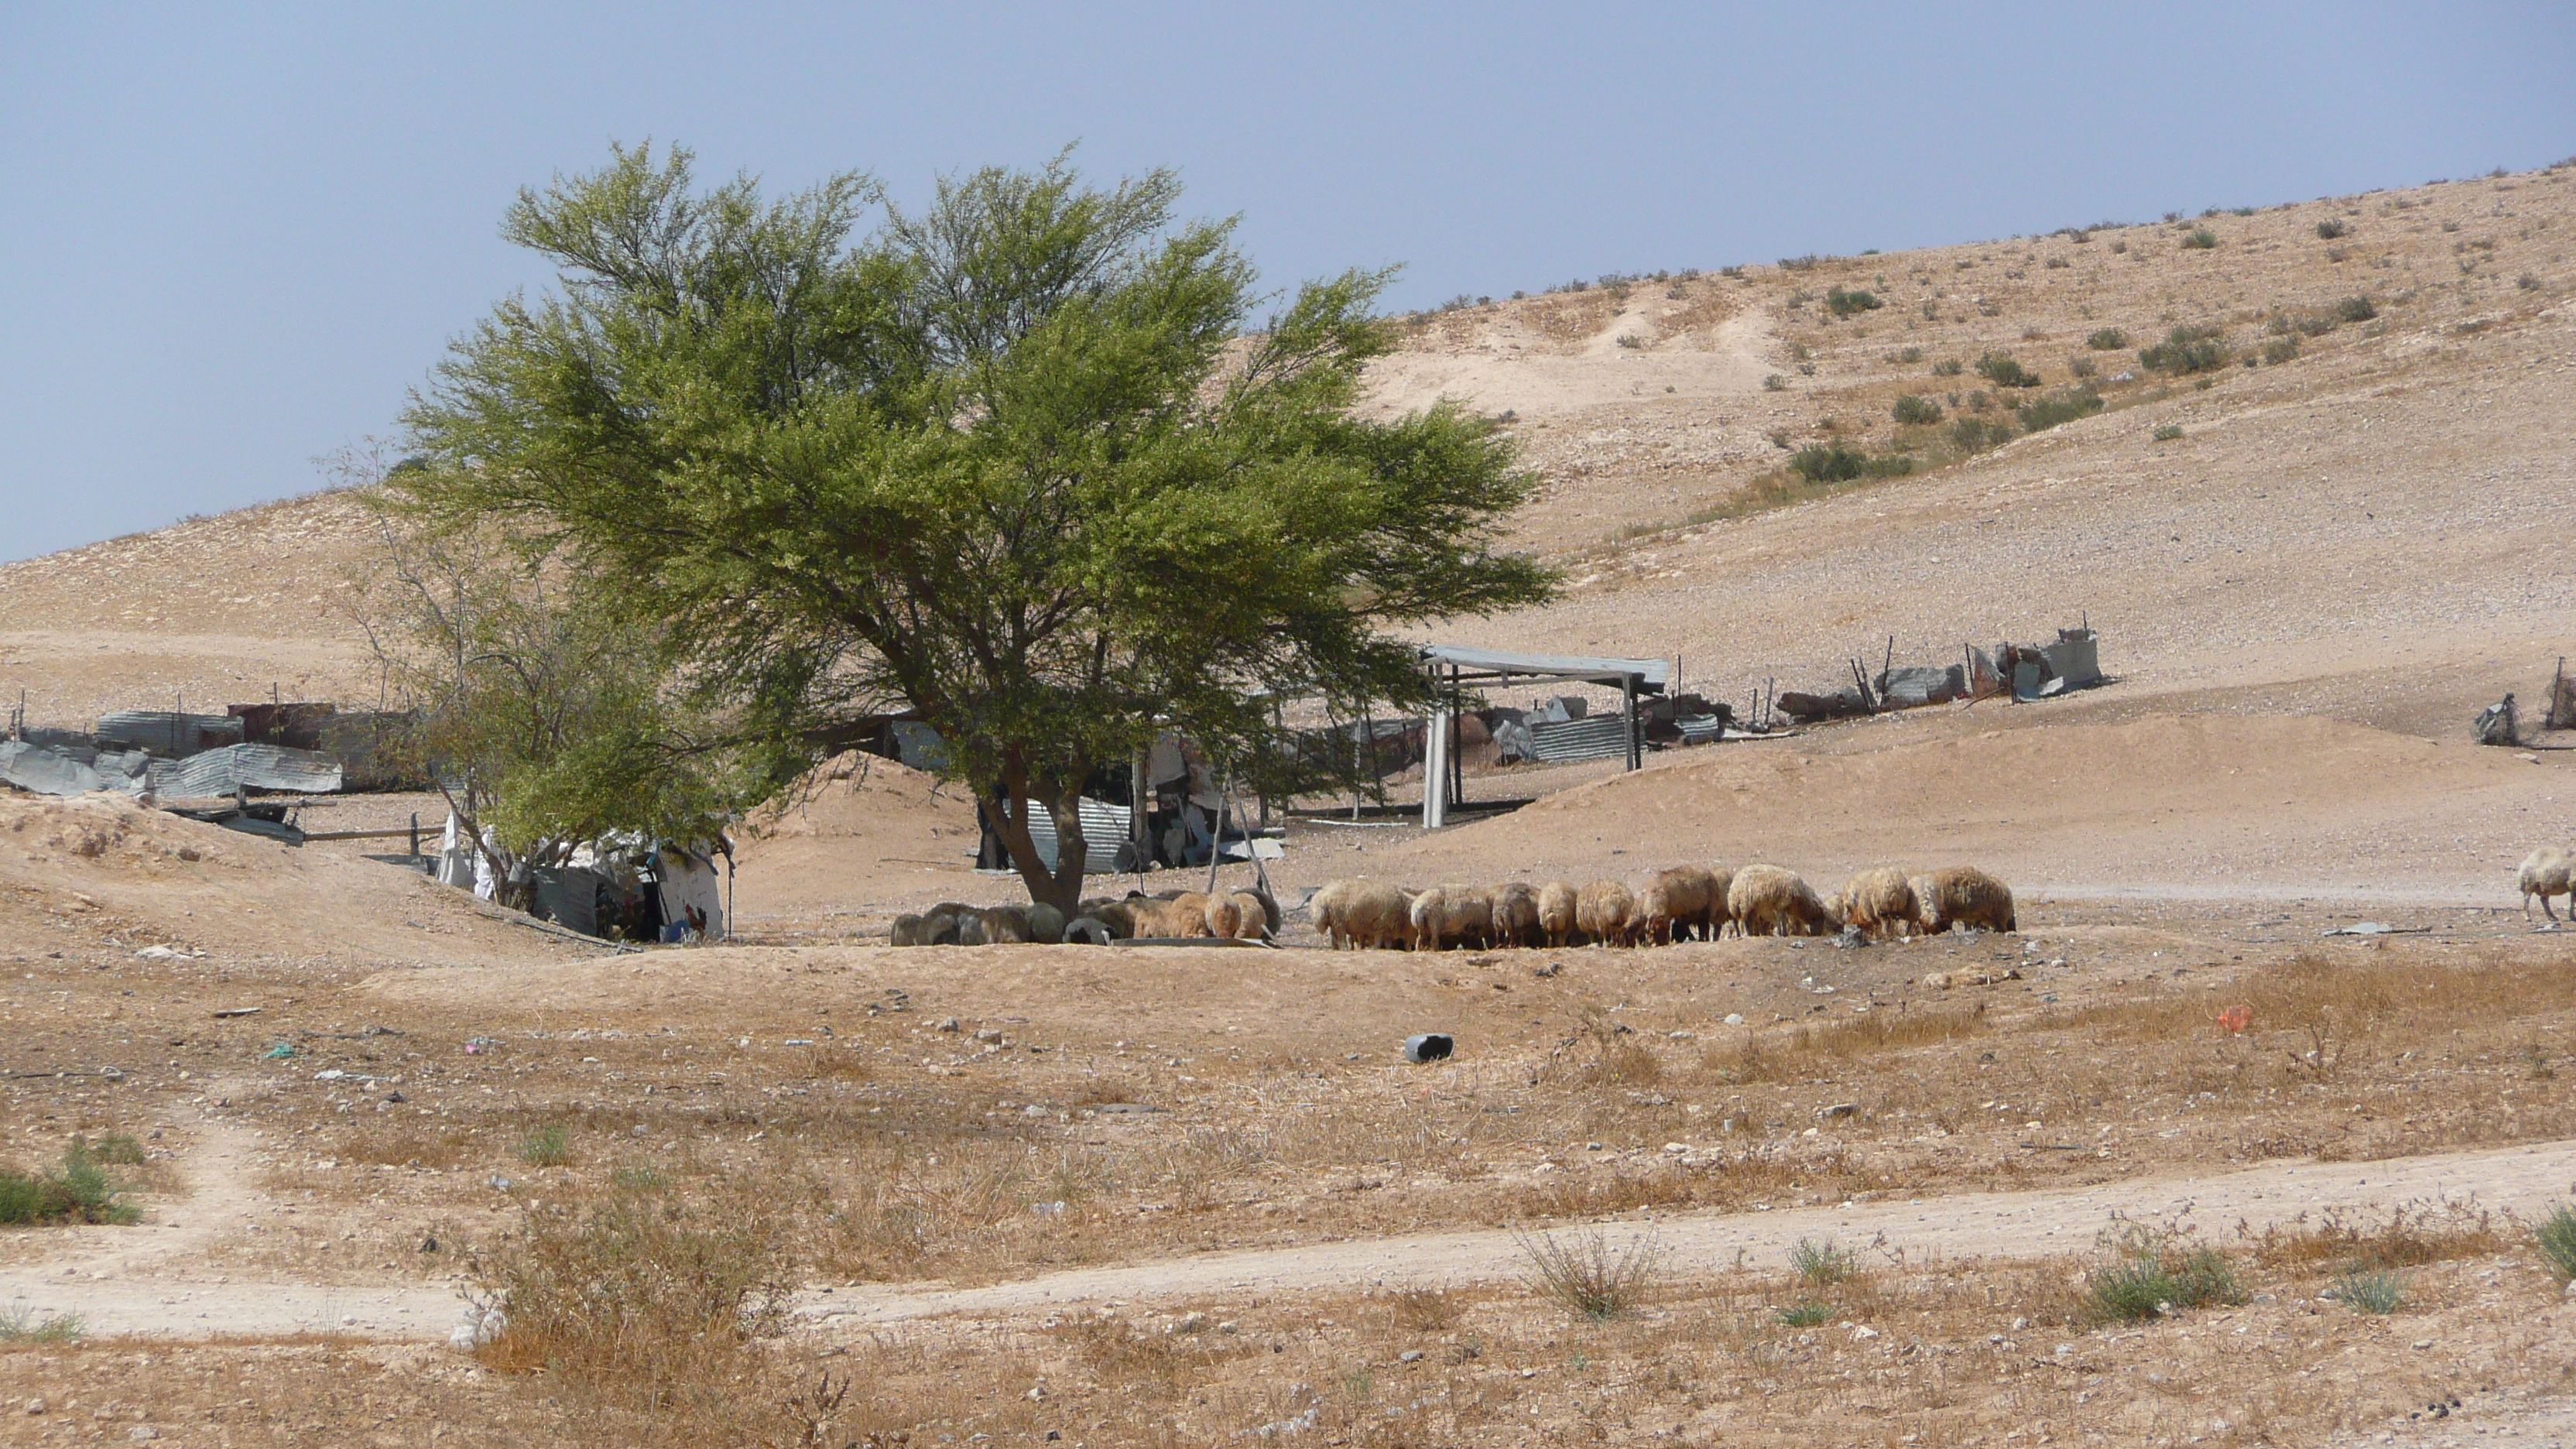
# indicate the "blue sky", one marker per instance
pixel 231 237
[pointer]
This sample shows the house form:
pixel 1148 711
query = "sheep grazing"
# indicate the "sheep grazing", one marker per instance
pixel 1516 915
pixel 1962 895
pixel 1362 914
pixel 2548 871
pixel 1223 917
pixel 1606 911
pixel 1678 904
pixel 1252 917
pixel 1556 912
pixel 1766 900
pixel 1444 915
pixel 1720 914
pixel 1880 902
pixel 1187 916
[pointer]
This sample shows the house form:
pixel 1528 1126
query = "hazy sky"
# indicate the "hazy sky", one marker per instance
pixel 233 236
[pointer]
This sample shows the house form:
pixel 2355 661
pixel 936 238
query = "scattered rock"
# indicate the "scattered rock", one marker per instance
pixel 947 1023
pixel 1972 976
pixel 156 953
pixel 1839 1110
pixel 1410 1355
pixel 1863 1333
pixel 1735 1018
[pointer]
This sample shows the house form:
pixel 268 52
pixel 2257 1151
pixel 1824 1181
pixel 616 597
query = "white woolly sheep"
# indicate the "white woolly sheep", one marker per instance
pixel 2548 871
pixel 1880 901
pixel 1676 904
pixel 1363 914
pixel 1606 911
pixel 1556 912
pixel 1766 900
pixel 1516 915
pixel 1962 895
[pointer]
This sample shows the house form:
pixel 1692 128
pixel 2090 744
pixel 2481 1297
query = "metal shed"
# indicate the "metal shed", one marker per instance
pixel 1454 667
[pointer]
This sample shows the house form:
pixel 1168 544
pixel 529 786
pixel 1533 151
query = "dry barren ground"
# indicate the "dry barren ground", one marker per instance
pixel 806 1190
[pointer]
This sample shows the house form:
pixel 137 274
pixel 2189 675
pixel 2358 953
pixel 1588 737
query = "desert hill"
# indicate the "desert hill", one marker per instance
pixel 2350 514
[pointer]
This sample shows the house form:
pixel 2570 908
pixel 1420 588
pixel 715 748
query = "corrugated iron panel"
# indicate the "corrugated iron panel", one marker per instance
pixel 1104 826
pixel 1594 737
pixel 255 767
pixel 167 732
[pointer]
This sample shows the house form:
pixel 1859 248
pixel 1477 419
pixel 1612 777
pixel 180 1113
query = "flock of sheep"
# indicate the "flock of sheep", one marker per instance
pixel 1677 904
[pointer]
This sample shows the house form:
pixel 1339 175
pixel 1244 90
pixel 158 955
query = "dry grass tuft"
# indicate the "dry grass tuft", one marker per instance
pixel 2412 1235
pixel 1589 1277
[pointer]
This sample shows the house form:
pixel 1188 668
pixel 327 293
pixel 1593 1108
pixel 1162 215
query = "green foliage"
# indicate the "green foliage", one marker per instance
pixel 2188 350
pixel 1912 409
pixel 2063 406
pixel 2371 1290
pixel 1844 303
pixel 548 1146
pixel 2555 1236
pixel 2281 349
pixel 2109 339
pixel 2168 432
pixel 1909 355
pixel 116 1149
pixel 1975 435
pixel 19 1324
pixel 1819 1264
pixel 2355 309
pixel 80 1191
pixel 2202 240
pixel 2002 371
pixel 1806 1315
pixel 1774 382
pixel 1012 462
pixel 1837 464
pixel 2330 229
pixel 1948 367
pixel 2151 1272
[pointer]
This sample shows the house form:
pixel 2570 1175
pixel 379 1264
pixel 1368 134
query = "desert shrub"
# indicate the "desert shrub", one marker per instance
pixel 1775 383
pixel 2118 247
pixel 548 1146
pixel 1837 464
pixel 2002 371
pixel 2527 282
pixel 2055 262
pixel 1806 1315
pixel 2081 366
pixel 2168 433
pixel 1631 339
pixel 2187 350
pixel 2330 229
pixel 2412 1235
pixel 1909 355
pixel 1911 409
pixel 2151 1272
pixel 2201 240
pixel 1587 1276
pixel 2355 309
pixel 1848 303
pixel 2370 1290
pixel 1975 435
pixel 118 1149
pixel 1806 263
pixel 2109 339
pixel 19 1324
pixel 2555 1235
pixel 80 1191
pixel 639 1301
pixel 2062 406
pixel 1819 1264
pixel 2281 349
pixel 1948 367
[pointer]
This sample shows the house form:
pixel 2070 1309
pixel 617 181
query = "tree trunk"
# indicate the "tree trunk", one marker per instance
pixel 1061 888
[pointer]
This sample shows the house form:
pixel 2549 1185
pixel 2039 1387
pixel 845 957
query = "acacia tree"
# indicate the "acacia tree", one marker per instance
pixel 1015 462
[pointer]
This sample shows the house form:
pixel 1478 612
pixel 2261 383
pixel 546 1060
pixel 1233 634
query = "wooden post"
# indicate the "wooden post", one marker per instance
pixel 2557 687
pixel 1140 793
pixel 1216 838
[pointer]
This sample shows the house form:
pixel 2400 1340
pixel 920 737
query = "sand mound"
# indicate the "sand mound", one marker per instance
pixel 2189 805
pixel 857 833
pixel 102 871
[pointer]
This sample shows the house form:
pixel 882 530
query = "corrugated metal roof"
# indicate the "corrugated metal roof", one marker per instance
pixel 1594 737
pixel 1650 674
pixel 168 732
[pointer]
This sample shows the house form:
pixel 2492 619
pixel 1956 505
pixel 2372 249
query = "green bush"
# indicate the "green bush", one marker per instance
pixel 2281 349
pixel 2062 406
pixel 1844 303
pixel 1911 409
pixel 2355 309
pixel 2109 339
pixel 548 1146
pixel 2556 1238
pixel 1973 435
pixel 1948 367
pixel 1806 1315
pixel 2082 367
pixel 2370 1290
pixel 1838 464
pixel 1775 383
pixel 2002 371
pixel 80 1192
pixel 2168 433
pixel 2187 350
pixel 1819 1263
pixel 2330 230
pixel 2152 1277
pixel 2201 240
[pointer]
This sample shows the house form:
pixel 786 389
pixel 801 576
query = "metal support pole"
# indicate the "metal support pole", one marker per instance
pixel 1628 712
pixel 1435 764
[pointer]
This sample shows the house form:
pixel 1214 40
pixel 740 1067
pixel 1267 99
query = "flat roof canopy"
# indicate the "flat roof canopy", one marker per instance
pixel 1649 675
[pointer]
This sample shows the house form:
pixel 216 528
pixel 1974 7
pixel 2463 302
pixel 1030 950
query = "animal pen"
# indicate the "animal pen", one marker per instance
pixel 1572 735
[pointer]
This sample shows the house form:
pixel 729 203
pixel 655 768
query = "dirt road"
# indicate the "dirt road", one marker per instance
pixel 133 1281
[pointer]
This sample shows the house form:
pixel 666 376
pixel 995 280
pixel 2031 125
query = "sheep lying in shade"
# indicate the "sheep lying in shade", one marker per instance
pixel 1880 902
pixel 1766 900
pixel 1962 895
pixel 2548 871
